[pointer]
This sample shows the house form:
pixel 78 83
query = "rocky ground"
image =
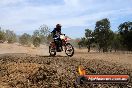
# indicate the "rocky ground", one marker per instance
pixel 28 71
pixel 21 70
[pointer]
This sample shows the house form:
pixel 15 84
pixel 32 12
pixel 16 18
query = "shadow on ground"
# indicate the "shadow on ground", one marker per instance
pixel 51 56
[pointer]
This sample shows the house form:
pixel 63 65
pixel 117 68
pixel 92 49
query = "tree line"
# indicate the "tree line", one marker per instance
pixel 40 36
pixel 104 39
pixel 101 38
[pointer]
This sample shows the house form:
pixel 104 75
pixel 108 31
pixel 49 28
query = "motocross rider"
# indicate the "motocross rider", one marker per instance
pixel 56 36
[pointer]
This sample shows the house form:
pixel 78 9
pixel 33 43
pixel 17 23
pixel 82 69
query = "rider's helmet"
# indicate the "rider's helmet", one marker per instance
pixel 58 25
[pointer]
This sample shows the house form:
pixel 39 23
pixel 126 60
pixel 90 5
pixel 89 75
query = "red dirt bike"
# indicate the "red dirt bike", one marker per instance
pixel 67 47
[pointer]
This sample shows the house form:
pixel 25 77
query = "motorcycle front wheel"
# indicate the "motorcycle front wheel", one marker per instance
pixel 69 50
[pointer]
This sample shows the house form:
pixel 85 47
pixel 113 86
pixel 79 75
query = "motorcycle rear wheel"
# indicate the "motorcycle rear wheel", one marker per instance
pixel 70 49
pixel 52 51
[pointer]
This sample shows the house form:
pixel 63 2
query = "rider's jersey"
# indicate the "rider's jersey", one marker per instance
pixel 56 32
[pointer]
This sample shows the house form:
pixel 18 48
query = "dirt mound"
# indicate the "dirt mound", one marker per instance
pixel 28 71
pixel 43 76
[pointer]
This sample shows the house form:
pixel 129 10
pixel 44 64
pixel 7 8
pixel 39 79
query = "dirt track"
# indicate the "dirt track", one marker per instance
pixel 21 70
